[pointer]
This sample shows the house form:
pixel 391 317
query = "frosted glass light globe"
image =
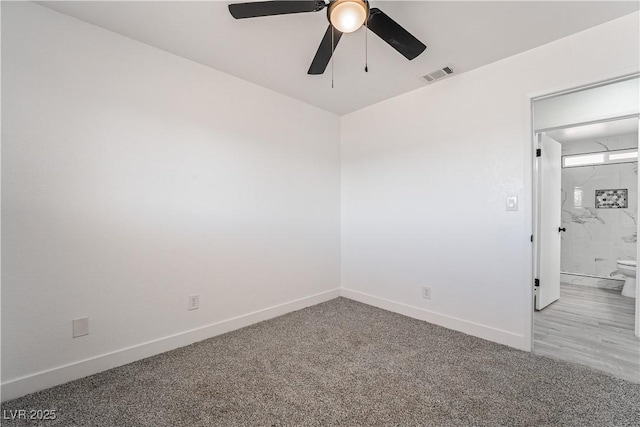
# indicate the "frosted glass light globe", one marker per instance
pixel 348 16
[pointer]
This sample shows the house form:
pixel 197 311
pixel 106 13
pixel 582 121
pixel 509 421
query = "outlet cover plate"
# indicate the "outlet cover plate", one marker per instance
pixel 80 327
pixel 426 293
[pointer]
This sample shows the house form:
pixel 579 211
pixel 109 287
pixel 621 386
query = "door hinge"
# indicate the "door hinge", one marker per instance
pixel 538 152
pixel 536 282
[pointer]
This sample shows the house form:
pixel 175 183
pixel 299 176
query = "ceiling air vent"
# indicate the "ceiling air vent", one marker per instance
pixel 438 74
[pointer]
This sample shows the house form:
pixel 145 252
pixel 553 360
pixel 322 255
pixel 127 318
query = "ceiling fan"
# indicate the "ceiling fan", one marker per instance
pixel 345 16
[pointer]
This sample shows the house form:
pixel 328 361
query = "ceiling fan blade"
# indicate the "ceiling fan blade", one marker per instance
pixel 323 55
pixel 269 8
pixel 393 33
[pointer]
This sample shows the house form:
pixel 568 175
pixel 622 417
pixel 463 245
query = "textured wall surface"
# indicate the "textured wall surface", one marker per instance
pixel 132 178
pixel 424 190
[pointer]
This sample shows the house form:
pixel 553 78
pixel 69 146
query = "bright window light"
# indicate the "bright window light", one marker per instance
pixel 622 156
pixel 583 159
pixel 605 157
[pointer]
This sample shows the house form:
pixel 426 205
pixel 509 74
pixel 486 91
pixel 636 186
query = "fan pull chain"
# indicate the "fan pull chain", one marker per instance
pixel 332 45
pixel 366 46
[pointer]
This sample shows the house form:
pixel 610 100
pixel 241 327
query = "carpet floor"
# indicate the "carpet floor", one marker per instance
pixel 340 363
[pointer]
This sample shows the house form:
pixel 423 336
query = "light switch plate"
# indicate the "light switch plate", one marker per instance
pixel 512 203
pixel 80 327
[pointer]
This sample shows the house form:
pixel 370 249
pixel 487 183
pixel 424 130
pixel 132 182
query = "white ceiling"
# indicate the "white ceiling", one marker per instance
pixel 275 52
pixel 595 130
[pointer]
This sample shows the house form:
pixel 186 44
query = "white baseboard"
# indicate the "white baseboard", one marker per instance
pixel 42 380
pixel 476 329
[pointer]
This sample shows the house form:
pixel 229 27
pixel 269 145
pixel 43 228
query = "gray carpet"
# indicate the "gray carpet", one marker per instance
pixel 341 363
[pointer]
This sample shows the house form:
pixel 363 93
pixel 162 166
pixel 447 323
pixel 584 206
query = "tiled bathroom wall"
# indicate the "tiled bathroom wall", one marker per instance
pixel 596 238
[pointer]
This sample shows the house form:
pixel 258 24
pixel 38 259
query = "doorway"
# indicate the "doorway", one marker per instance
pixel 585 245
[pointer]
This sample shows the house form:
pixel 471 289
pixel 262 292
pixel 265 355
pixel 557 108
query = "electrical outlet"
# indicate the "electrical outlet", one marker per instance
pixel 80 327
pixel 426 293
pixel 194 302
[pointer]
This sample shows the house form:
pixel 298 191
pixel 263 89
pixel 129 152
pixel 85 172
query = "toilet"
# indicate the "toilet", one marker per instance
pixel 628 269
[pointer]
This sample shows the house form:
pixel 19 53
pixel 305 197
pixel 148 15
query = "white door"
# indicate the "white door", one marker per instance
pixel 549 221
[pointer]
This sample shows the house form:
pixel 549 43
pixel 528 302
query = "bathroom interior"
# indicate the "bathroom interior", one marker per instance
pixel 594 320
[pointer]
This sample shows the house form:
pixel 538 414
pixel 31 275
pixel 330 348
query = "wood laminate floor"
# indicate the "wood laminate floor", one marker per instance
pixel 590 326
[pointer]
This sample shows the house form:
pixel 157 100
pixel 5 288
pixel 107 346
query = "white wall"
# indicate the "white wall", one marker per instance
pixel 424 181
pixel 132 178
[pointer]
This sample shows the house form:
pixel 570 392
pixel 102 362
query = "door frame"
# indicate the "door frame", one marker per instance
pixel 533 183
